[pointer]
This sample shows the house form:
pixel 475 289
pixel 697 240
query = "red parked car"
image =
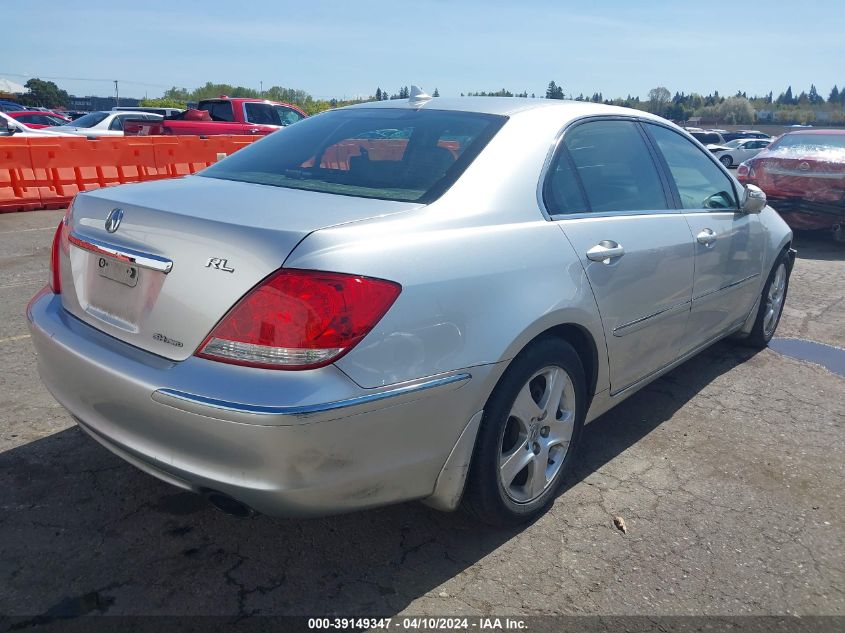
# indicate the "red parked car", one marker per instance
pixel 221 116
pixel 803 175
pixel 37 119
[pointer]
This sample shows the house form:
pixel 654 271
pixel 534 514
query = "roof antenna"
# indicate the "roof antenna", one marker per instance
pixel 418 96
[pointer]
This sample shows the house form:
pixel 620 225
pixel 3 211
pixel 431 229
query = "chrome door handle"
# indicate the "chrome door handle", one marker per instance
pixel 605 251
pixel 706 237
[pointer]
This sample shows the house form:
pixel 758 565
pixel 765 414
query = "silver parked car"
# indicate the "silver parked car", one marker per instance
pixel 418 299
pixel 104 123
pixel 739 150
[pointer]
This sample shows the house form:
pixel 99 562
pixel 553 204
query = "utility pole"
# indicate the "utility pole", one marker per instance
pixel 262 87
pixel 116 94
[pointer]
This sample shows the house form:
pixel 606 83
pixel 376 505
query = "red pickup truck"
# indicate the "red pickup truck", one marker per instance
pixel 225 115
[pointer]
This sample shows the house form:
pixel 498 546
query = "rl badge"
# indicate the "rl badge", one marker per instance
pixel 219 264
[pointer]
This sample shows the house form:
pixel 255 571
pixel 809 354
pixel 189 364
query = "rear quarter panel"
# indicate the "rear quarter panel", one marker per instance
pixel 482 271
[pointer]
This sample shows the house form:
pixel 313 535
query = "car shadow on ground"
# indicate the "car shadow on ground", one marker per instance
pixel 82 532
pixel 818 245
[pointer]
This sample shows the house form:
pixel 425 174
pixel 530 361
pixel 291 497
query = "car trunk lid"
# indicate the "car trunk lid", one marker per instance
pixel 185 251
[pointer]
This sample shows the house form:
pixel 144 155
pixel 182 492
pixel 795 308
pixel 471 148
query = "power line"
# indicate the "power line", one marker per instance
pixel 126 81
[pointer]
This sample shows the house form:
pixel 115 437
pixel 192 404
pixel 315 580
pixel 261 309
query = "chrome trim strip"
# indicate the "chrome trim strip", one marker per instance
pixel 728 287
pixel 127 255
pixel 307 409
pixel 597 215
pixel 618 331
pixel 803 174
pixel 642 382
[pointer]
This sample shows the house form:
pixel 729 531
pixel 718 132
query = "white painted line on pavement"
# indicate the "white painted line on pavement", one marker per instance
pixel 14 338
pixel 43 228
pixel 34 282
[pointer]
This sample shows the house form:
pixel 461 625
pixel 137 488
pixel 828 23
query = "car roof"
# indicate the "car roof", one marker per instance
pixel 19 112
pixel 504 106
pixel 818 131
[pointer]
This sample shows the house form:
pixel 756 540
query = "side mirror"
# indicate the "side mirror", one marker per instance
pixel 754 200
pixel 9 128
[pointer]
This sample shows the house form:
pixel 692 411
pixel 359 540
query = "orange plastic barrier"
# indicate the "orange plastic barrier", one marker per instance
pixel 19 190
pixel 45 172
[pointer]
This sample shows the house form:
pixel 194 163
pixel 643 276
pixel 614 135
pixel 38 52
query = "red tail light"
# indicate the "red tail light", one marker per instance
pixel 299 319
pixel 55 262
pixel 745 171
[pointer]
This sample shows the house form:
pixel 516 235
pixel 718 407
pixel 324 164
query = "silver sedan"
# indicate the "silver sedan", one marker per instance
pixel 417 299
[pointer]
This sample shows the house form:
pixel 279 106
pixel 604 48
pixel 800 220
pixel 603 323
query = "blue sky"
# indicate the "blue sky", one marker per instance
pixel 345 49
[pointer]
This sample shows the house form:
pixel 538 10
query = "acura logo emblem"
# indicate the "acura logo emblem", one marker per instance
pixel 804 166
pixel 113 220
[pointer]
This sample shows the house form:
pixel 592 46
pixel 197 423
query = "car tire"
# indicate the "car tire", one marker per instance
pixel 525 447
pixel 772 301
pixel 727 161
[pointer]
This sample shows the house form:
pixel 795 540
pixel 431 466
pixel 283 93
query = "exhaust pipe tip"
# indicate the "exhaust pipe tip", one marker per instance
pixel 228 505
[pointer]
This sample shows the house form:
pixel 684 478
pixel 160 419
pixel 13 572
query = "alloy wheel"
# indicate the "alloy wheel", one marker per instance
pixel 537 434
pixel 774 300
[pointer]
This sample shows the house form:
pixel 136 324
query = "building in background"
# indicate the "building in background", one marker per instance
pixel 92 104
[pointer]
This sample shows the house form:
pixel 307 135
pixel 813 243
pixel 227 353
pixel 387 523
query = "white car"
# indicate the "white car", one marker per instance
pixel 149 109
pixel 11 127
pixel 104 123
pixel 739 150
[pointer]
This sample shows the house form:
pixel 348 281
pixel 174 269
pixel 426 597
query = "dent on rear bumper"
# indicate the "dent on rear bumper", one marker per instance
pixel 307 456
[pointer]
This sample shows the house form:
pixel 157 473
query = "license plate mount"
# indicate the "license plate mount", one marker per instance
pixel 120 272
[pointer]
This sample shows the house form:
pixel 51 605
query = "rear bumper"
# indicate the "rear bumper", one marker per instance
pixel 285 443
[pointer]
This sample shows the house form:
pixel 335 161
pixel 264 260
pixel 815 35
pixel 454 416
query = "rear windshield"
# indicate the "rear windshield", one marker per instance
pixel 391 154
pixel 811 141
pixel 707 138
pixel 89 120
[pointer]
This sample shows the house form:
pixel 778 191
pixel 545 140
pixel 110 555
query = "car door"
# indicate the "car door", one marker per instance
pixel 756 147
pixel 746 151
pixel 116 125
pixel 729 243
pixel 604 189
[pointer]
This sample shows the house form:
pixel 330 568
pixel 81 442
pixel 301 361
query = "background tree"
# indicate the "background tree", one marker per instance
pixel 834 95
pixel 436 93
pixel 164 102
pixel 786 98
pixel 658 99
pixel 177 94
pixel 45 94
pixel 504 92
pixel 735 110
pixel 554 91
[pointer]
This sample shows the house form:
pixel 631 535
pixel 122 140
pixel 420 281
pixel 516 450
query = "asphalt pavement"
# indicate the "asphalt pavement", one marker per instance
pixel 728 472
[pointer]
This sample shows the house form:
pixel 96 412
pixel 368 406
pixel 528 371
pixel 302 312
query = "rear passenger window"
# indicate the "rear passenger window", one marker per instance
pixel 218 110
pixel 614 167
pixel 563 193
pixel 700 182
